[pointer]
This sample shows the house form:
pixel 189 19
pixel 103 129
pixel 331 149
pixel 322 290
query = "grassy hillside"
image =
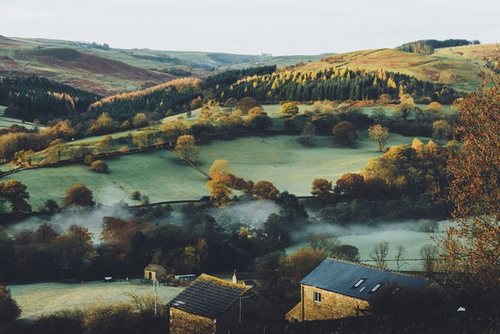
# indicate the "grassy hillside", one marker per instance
pixel 115 70
pixel 77 68
pixel 159 175
pixel 459 67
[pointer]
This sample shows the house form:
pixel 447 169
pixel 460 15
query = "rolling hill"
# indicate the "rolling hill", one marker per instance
pixel 105 71
pixel 459 67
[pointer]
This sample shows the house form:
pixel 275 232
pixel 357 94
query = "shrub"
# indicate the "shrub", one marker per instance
pixel 136 195
pixel 88 159
pixel 99 166
pixel 78 195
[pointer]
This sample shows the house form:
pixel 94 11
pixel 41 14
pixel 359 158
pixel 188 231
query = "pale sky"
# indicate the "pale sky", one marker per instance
pixel 252 26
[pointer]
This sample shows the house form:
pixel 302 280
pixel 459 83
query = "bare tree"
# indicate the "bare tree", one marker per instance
pixel 379 254
pixel 400 253
pixel 429 254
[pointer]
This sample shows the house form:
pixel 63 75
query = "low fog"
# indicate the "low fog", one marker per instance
pixel 88 218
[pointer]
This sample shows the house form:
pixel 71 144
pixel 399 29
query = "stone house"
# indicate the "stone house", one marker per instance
pixel 154 272
pixel 337 289
pixel 210 305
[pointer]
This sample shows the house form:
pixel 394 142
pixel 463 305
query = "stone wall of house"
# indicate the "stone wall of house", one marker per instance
pixel 182 322
pixel 332 306
pixel 153 275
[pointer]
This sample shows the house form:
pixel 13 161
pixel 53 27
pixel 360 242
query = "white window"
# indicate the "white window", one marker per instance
pixel 317 296
pixel 375 288
pixel 358 283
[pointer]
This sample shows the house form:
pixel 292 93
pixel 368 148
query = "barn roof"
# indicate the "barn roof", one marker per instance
pixel 208 296
pixel 358 281
pixel 155 268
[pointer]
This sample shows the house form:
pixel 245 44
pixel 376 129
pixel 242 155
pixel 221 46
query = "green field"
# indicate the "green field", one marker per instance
pixel 159 175
pixel 47 298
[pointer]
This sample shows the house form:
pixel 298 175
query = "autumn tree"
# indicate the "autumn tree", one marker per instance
pixel 140 120
pixel 99 166
pixel 435 106
pixel 302 262
pixel 247 103
pixel 322 189
pixel 78 195
pixel 472 244
pixel 258 120
pixel 219 166
pixel 105 144
pixel 350 186
pixel 172 130
pixel 142 139
pixel 289 109
pixel 15 194
pixel 344 134
pixel 406 107
pixel 186 148
pixel 441 129
pixel 379 134
pixel 265 190
pixel 102 124
pixel 218 185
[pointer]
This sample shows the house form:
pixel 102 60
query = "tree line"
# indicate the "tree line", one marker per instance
pixel 331 84
pixel 427 46
pixel 37 98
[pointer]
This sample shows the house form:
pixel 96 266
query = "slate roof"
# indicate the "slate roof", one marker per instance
pixel 341 276
pixel 208 296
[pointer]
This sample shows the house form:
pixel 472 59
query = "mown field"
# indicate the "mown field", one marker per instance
pixel 47 298
pixel 161 176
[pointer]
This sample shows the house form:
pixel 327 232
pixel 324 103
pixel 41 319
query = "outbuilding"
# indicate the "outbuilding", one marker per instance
pixel 210 305
pixel 154 272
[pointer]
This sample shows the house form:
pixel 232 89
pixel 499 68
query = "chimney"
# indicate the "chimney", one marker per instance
pixel 235 279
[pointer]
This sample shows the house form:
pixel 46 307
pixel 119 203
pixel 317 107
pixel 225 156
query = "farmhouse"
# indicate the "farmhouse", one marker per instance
pixel 213 305
pixel 154 272
pixel 337 289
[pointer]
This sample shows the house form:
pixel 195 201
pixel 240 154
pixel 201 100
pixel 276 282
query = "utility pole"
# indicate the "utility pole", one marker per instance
pixel 155 289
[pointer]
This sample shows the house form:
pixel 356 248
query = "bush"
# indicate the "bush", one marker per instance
pixel 99 166
pixel 88 159
pixel 78 195
pixel 112 319
pixel 136 195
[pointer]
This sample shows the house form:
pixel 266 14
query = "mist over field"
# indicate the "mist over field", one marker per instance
pixel 88 218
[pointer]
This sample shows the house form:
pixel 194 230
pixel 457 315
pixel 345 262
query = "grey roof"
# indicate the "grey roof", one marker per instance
pixel 340 276
pixel 208 296
pixel 155 267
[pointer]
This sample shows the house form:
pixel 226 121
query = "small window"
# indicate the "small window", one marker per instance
pixel 317 297
pixel 358 283
pixel 376 287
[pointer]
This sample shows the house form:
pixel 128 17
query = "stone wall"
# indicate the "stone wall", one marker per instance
pixel 182 322
pixel 332 306
pixel 153 275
